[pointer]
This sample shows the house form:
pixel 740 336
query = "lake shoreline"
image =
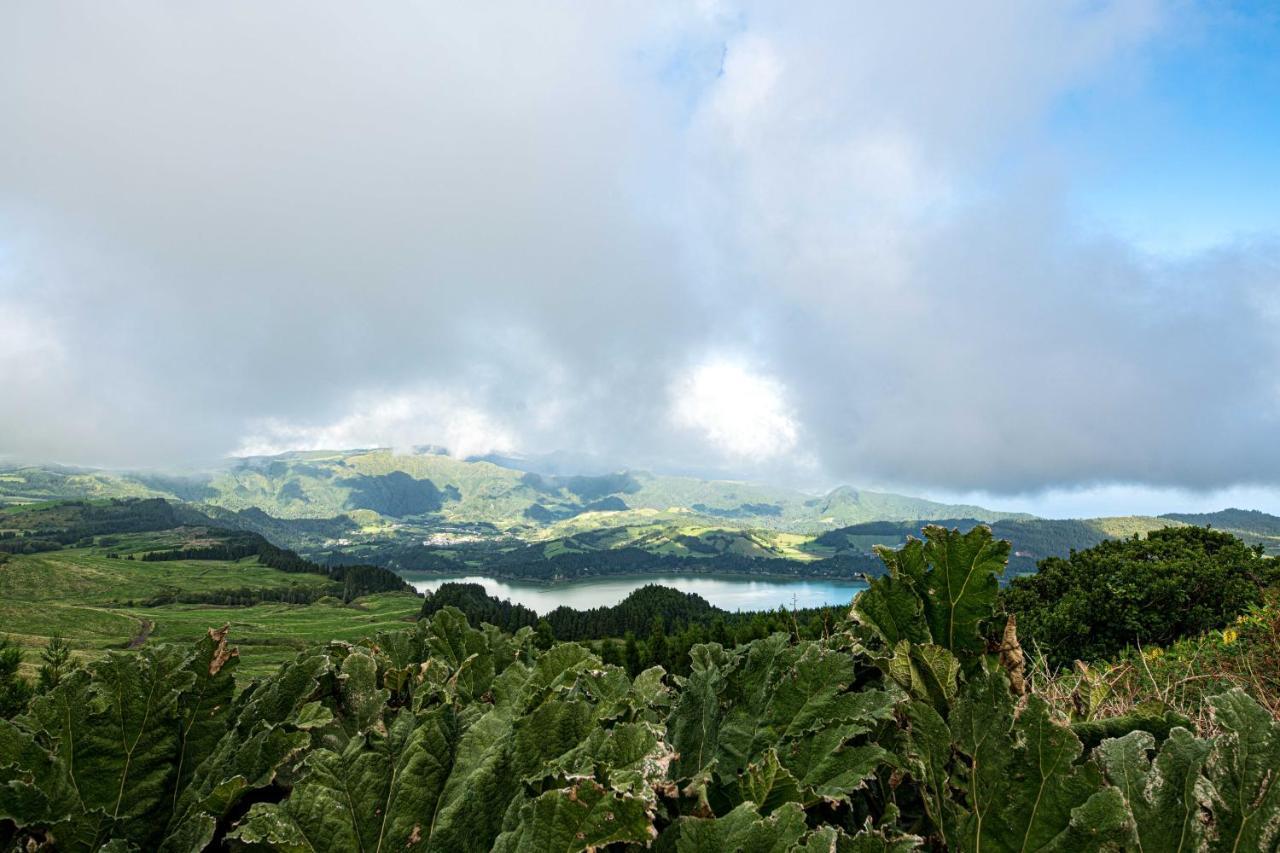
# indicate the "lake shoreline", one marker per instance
pixel 425 574
pixel 740 593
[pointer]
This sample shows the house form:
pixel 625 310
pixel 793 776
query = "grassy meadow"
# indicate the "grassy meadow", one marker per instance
pixel 96 603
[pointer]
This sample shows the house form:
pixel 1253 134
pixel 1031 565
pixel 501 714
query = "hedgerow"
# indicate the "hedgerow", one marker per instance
pixel 902 729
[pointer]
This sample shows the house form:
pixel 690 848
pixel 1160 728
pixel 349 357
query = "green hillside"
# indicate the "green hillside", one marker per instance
pixel 381 490
pixel 1032 539
pixel 1256 528
pixel 130 573
pixel 426 511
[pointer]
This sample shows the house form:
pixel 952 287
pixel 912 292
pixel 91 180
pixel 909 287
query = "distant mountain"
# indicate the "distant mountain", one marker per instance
pixel 380 487
pixel 426 510
pixel 1256 528
pixel 1033 539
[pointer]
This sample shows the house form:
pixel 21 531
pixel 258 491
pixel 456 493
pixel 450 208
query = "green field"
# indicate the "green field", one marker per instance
pixel 95 603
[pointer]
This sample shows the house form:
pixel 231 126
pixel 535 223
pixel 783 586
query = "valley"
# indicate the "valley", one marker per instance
pixel 428 513
pixel 110 560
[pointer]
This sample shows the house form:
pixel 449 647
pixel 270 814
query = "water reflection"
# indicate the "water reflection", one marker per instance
pixel 728 593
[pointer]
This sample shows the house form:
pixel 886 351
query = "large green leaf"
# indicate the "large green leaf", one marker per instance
pixel 926 672
pixel 892 606
pixel 828 839
pixel 697 717
pixel 465 650
pixel 742 829
pixel 119 740
pixel 380 793
pixel 205 707
pixel 1244 770
pixel 771 695
pixel 582 816
pixel 1167 798
pixel 1044 784
pixel 827 765
pixel 768 784
pixel 928 754
pixel 938 591
pixel 961 584
pixel 981 730
pixel 268 732
pixel 629 758
pixel 1021 785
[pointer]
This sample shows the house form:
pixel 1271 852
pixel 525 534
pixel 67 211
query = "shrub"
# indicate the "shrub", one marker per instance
pixel 1175 583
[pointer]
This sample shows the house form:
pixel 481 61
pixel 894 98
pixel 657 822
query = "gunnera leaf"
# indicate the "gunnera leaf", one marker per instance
pixel 696 719
pixel 582 816
pixel 382 792
pixel 742 829
pixel 926 672
pixel 828 839
pixel 1167 799
pixel 1244 770
pixel 961 585
pixel 937 591
pixel 1022 785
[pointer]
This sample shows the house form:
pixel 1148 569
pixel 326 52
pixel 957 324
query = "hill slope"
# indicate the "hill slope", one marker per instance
pixel 377 486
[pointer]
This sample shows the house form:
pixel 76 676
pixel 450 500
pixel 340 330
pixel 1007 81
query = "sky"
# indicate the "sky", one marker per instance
pixel 1021 252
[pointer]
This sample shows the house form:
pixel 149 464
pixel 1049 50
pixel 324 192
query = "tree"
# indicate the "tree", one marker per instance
pixel 55 664
pixel 611 652
pixel 543 636
pixel 1174 583
pixel 14 689
pixel 659 652
pixel 720 633
pixel 631 654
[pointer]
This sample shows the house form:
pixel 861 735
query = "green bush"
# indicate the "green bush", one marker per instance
pixel 1175 583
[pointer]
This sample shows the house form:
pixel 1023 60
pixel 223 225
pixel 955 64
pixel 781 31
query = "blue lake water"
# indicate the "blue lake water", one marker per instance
pixel 728 593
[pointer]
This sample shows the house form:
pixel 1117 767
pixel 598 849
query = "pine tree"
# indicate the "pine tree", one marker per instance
pixel 631 654
pixel 14 689
pixel 543 636
pixel 56 664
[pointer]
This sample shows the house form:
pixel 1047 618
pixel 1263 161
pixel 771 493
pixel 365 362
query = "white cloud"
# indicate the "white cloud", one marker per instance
pixel 398 420
pixel 741 413
pixel 543 214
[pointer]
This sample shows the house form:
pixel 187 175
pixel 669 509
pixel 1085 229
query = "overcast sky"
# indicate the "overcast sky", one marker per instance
pixel 1028 252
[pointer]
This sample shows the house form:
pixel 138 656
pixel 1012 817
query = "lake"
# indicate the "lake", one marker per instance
pixel 726 592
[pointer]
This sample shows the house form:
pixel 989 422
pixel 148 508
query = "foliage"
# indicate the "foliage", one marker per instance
pixel 895 731
pixel 1175 583
pixel 687 620
pixel 15 690
pixel 56 664
pixel 1173 681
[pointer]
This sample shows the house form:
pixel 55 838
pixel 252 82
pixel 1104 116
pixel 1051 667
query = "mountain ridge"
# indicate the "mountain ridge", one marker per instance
pixel 325 484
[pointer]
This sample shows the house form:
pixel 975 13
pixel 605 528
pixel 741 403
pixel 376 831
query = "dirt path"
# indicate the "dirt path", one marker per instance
pixel 144 631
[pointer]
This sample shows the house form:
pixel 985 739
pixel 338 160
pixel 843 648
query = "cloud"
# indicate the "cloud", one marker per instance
pixel 740 413
pixel 247 227
pixel 398 420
